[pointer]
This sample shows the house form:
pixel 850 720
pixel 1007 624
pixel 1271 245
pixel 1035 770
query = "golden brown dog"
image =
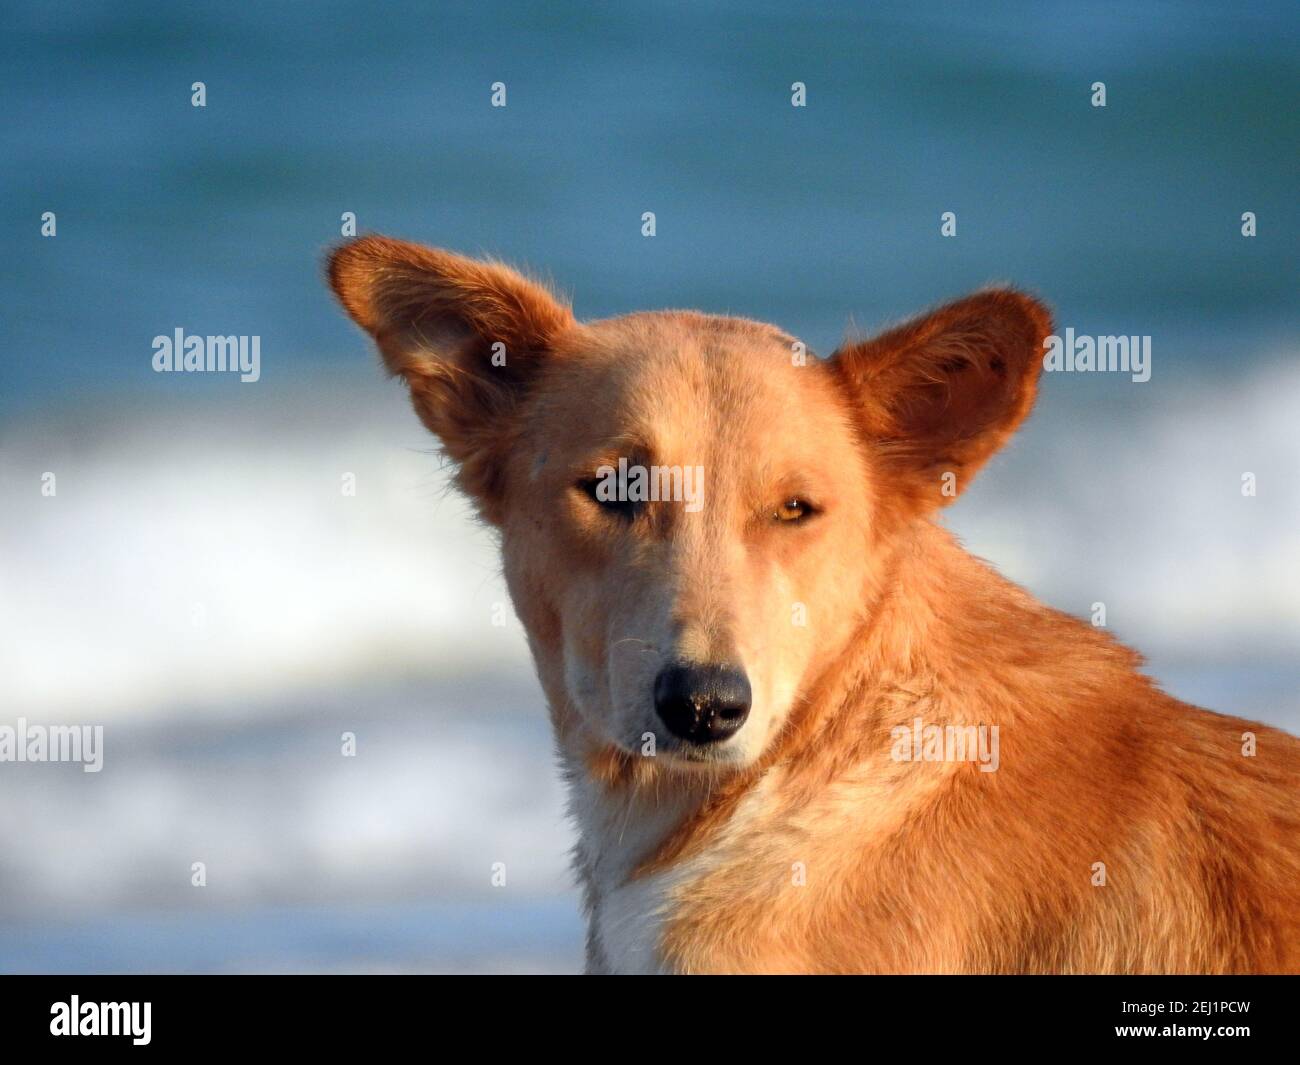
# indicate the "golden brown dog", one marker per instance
pixel 804 731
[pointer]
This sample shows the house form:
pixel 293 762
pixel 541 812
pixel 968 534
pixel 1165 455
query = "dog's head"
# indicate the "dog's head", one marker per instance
pixel 696 515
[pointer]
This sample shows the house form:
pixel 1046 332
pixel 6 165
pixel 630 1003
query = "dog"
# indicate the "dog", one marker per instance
pixel 803 731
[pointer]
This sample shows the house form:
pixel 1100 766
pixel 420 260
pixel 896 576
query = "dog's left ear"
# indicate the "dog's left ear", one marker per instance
pixel 939 395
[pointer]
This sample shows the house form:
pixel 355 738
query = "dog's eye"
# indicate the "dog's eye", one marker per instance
pixel 792 510
pixel 596 489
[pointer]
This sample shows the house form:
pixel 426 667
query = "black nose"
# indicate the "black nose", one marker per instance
pixel 703 704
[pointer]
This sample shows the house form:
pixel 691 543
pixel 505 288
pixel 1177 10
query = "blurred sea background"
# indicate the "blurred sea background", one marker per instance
pixel 201 587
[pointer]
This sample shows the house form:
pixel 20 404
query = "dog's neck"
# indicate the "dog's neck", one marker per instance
pixel 638 821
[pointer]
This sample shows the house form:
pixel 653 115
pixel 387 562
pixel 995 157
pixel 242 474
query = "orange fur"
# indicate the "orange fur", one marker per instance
pixel 806 844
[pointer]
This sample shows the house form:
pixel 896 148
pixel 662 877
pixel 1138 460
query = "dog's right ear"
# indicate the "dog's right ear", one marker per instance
pixel 466 336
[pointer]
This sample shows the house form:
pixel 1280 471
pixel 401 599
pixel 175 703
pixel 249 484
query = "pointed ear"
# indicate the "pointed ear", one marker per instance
pixel 943 392
pixel 466 336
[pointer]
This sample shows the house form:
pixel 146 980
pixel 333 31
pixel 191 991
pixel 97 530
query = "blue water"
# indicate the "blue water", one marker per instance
pixel 215 219
pixel 413 937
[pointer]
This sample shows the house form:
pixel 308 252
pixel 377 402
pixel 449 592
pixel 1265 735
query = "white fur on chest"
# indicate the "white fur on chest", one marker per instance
pixel 629 923
pixel 627 915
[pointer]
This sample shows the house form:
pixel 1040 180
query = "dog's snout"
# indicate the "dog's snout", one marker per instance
pixel 702 704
